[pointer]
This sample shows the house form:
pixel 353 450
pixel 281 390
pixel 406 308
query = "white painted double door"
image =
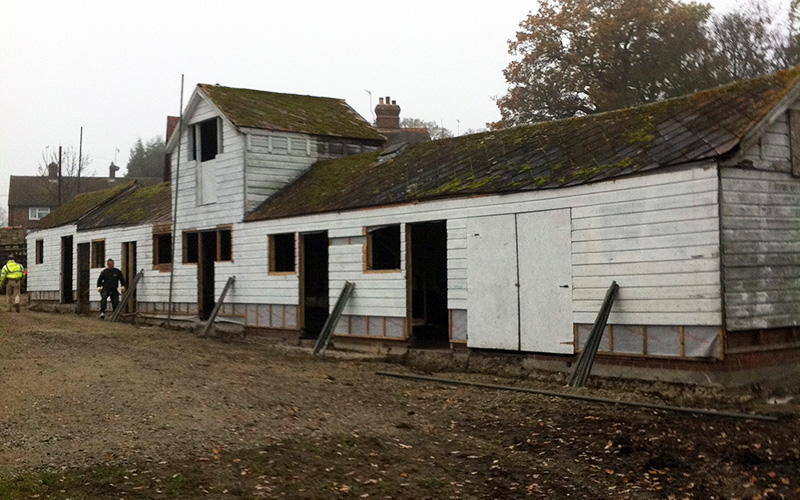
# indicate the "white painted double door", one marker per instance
pixel 519 282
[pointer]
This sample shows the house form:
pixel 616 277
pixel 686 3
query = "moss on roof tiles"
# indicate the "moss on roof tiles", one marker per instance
pixel 290 112
pixel 79 206
pixel 543 155
pixel 146 204
pixel 313 191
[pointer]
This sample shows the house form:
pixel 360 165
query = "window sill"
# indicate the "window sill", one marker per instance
pixel 382 271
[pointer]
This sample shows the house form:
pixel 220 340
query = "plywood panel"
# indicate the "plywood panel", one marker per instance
pixel 492 302
pixel 545 281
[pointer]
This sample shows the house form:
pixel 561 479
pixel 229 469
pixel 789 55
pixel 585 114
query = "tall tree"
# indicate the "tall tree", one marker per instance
pixel 435 130
pixel 747 42
pixel 147 160
pixel 586 56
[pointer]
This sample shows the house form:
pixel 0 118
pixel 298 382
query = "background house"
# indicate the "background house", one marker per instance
pixel 32 197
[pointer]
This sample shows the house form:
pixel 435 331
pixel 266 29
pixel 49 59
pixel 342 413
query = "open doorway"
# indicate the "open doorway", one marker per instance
pixel 205 272
pixel 128 268
pixel 314 282
pixel 83 277
pixel 427 284
pixel 66 270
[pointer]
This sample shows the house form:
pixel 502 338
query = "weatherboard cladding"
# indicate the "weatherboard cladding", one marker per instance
pixel 248 108
pixel 545 155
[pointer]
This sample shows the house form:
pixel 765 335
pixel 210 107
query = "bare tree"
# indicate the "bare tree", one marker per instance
pixel 72 169
pixel 747 42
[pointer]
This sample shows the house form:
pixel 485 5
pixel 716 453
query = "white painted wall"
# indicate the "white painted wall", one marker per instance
pixel 773 150
pixel 154 286
pixel 761 243
pixel 657 235
pixel 228 177
pixel 47 275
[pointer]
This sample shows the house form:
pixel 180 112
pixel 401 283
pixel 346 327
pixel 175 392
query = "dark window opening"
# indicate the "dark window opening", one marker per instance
pixel 99 253
pixel 190 248
pixel 208 139
pixel 383 248
pixel 281 253
pixel 162 249
pixel 39 251
pixel 191 144
pixel 225 241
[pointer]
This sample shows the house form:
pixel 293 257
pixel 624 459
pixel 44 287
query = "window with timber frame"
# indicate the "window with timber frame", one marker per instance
pixel 281 253
pixel 162 251
pixel 382 248
pixel 205 140
pixel 39 251
pixel 224 245
pixel 98 253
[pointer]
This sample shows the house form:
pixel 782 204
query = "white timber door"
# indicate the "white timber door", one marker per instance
pixel 492 297
pixel 544 242
pixel 519 282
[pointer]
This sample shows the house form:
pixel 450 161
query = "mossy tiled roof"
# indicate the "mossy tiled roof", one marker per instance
pixel 545 155
pixel 40 191
pixel 289 112
pixel 143 205
pixel 80 206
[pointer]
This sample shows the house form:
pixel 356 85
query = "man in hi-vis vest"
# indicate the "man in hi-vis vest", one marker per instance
pixel 12 276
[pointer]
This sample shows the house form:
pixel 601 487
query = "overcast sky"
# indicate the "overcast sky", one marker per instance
pixel 114 68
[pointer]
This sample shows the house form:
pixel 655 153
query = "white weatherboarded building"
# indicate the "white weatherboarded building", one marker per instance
pixel 504 240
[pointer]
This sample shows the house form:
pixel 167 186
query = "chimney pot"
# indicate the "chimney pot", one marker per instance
pixel 380 100
pixel 52 170
pixel 112 170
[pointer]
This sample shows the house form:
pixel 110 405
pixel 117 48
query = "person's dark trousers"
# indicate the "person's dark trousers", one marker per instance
pixel 105 294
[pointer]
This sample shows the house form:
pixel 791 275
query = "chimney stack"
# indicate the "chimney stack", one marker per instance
pixel 172 122
pixel 52 170
pixel 387 114
pixel 112 170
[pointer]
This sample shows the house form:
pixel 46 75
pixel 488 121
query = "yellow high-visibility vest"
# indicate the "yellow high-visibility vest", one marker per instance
pixel 12 271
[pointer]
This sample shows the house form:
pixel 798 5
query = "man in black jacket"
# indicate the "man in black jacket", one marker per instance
pixel 110 278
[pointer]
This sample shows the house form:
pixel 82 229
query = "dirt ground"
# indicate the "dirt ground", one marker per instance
pixel 97 410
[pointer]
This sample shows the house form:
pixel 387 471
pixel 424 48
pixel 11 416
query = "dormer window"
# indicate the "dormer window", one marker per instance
pixel 205 140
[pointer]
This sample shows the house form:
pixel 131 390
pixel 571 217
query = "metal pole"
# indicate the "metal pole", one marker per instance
pixel 175 208
pixel 59 176
pixel 80 158
pixel 589 399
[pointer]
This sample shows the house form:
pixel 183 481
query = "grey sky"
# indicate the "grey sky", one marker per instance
pixel 114 68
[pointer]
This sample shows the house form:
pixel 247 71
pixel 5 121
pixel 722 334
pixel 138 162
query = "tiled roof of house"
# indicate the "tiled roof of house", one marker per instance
pixel 290 112
pixel 39 191
pixel 80 206
pixel 149 204
pixel 554 154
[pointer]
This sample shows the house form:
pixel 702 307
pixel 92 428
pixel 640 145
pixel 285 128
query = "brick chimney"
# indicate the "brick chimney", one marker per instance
pixel 112 170
pixel 387 114
pixel 172 122
pixel 52 170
